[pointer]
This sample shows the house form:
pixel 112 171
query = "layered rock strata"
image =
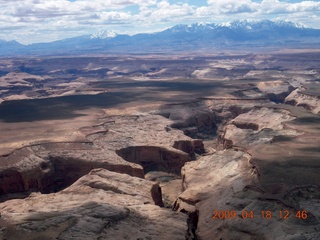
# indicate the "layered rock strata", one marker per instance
pixel 270 165
pixel 100 205
pixel 308 101
pixel 260 164
pixel 124 144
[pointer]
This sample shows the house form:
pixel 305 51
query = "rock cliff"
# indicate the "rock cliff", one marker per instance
pixel 100 205
pixel 250 160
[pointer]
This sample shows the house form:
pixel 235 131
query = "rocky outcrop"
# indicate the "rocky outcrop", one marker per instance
pixel 154 158
pixel 276 91
pixel 280 143
pixel 264 167
pixel 125 144
pixel 209 183
pixel 205 117
pixel 100 205
pixel 192 147
pixel 137 130
pixel 225 188
pixel 52 171
pixel 308 101
pixel 195 119
pixel 253 184
pixel 255 127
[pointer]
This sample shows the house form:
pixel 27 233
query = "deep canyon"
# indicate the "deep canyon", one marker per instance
pixel 161 147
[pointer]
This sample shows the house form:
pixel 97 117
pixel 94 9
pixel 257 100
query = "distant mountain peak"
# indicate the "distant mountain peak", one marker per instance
pixel 237 24
pixel 199 24
pixel 194 27
pixel 289 24
pixel 183 37
pixel 103 34
pixel 9 41
pixel 245 24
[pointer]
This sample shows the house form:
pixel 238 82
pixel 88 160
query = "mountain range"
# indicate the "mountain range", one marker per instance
pixel 198 36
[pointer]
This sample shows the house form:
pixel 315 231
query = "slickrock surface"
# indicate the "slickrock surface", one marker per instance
pixel 51 167
pixel 237 133
pixel 257 126
pixel 118 143
pixel 34 132
pixel 27 83
pixel 274 139
pixel 100 205
pixel 271 164
pixel 308 101
pixel 276 91
pixel 255 159
pixel 227 181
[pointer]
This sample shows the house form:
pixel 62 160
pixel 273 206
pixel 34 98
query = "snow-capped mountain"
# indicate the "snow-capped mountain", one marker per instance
pixel 257 26
pixel 242 32
pixel 204 36
pixel 104 34
pixel 191 28
pixel 264 24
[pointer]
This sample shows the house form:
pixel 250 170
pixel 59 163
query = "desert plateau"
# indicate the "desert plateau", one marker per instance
pixel 188 145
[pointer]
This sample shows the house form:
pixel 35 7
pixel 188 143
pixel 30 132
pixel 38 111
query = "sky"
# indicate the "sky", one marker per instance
pixel 31 21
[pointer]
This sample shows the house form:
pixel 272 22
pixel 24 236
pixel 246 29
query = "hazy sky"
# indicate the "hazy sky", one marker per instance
pixel 29 21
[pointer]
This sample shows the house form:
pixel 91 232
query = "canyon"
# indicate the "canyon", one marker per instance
pixel 161 147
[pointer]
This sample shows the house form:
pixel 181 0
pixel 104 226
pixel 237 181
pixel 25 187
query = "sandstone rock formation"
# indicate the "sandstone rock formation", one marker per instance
pixel 113 144
pixel 270 163
pixel 308 101
pixel 49 167
pixel 132 145
pixel 276 91
pixel 248 163
pixel 227 181
pixel 263 169
pixel 100 205
pixel 235 153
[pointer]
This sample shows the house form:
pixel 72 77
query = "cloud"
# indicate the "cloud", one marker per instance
pixel 104 18
pixel 232 6
pixel 163 11
pixel 305 6
pixel 280 7
pixel 65 18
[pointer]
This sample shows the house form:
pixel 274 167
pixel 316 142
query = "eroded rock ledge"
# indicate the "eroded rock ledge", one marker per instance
pixel 95 189
pixel 100 205
pixel 303 99
pixel 258 159
pixel 270 162
pixel 125 144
